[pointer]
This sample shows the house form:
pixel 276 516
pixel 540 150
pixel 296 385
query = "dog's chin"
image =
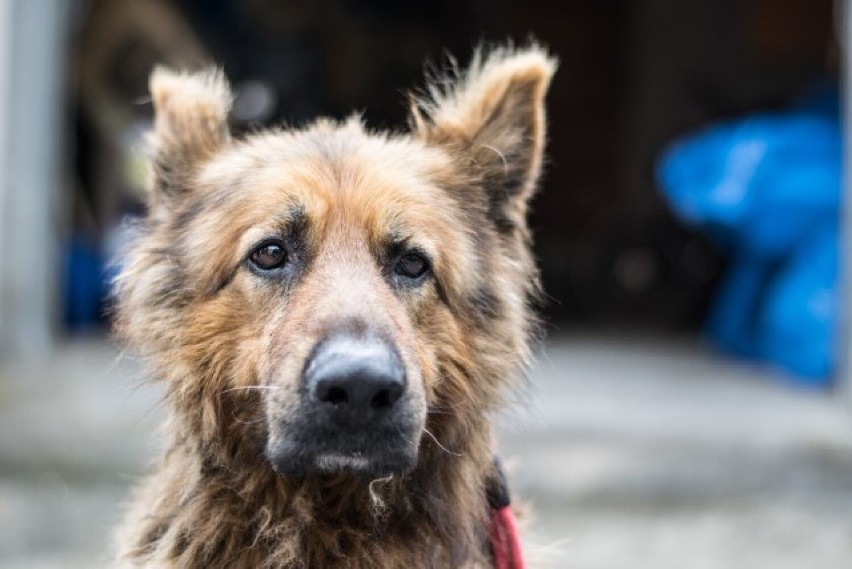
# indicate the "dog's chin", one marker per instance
pixel 327 462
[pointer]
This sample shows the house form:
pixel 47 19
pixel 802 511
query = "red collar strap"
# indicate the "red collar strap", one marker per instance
pixel 503 533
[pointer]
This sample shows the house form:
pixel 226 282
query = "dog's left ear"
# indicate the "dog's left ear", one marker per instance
pixel 494 114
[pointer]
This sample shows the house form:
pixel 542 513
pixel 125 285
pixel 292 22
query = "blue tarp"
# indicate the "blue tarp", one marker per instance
pixel 766 189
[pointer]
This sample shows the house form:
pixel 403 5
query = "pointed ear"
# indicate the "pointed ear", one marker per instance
pixel 190 125
pixel 494 113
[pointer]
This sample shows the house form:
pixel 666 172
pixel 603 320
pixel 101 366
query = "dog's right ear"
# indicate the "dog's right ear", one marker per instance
pixel 190 125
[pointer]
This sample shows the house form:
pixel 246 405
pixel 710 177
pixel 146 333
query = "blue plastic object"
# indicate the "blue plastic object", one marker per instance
pixel 85 285
pixel 767 190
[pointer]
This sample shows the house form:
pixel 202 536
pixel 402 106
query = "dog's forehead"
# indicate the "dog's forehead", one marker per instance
pixel 340 174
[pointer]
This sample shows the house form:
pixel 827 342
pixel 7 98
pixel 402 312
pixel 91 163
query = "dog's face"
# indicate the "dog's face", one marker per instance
pixel 326 291
pixel 329 248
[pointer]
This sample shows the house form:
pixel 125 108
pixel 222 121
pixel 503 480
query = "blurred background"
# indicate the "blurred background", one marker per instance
pixel 692 405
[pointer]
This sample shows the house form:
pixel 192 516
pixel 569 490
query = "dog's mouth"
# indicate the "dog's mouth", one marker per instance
pixel 386 456
pixel 315 442
pixel 360 464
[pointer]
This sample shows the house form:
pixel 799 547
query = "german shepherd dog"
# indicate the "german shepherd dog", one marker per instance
pixel 335 315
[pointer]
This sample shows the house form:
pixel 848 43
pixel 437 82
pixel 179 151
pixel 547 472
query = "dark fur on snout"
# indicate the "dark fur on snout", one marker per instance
pixel 256 250
pixel 356 413
pixel 373 433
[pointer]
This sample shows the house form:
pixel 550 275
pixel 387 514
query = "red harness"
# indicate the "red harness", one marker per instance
pixel 505 545
pixel 503 533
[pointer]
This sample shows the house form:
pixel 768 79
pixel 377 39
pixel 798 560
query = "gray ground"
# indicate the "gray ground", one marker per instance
pixel 632 454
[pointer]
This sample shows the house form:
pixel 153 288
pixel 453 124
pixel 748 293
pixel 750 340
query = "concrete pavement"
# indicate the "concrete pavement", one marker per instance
pixel 631 453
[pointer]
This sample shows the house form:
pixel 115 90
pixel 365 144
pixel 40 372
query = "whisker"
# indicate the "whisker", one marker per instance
pixel 249 387
pixel 442 447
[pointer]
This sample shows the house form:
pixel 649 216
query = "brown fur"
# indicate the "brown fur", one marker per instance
pixel 458 183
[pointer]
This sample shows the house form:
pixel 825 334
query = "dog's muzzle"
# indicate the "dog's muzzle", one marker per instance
pixel 357 412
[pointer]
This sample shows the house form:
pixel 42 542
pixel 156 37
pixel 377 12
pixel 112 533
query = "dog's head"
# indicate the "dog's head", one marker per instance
pixel 332 297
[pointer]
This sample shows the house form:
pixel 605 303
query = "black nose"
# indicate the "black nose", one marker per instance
pixel 355 380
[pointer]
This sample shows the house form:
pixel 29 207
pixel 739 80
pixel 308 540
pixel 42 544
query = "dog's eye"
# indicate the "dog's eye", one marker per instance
pixel 412 265
pixel 269 255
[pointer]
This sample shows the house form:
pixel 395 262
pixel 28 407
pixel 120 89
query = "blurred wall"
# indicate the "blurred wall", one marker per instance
pixel 32 65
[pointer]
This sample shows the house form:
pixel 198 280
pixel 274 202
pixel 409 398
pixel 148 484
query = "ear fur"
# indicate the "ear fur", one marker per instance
pixel 190 125
pixel 494 113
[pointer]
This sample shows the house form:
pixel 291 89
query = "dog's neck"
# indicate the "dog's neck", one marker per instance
pixel 228 503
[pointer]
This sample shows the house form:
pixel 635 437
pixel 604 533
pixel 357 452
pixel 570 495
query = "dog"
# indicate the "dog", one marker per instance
pixel 335 315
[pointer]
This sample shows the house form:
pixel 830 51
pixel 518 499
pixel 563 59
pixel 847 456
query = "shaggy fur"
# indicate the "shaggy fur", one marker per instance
pixel 229 347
